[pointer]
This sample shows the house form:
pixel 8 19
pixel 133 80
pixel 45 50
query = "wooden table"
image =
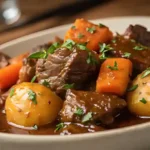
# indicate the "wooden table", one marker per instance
pixel 109 9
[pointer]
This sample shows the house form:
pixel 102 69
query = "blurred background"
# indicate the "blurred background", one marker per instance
pixel 23 17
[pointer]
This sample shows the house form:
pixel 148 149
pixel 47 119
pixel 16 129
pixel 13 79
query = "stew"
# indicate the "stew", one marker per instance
pixel 92 80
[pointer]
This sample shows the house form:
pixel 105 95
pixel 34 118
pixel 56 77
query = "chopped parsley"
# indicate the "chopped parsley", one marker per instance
pixel 39 55
pixel 101 25
pixel 68 44
pixel 132 88
pixel 132 40
pixel 33 79
pixel 80 35
pixel 32 96
pixel 126 55
pixel 79 111
pixel 143 100
pixel 91 59
pixel 146 73
pixel 115 67
pixel 68 86
pixel 139 48
pixel 91 30
pixel 35 127
pixel 73 27
pixel 87 117
pixel 53 47
pixel 59 126
pixel 12 91
pixel 104 48
pixel 113 40
pixel 82 46
pixel 45 83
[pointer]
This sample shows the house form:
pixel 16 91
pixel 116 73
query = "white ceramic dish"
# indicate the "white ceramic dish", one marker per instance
pixel 128 138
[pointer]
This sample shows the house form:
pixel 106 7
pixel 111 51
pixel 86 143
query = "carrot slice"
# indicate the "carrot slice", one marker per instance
pixel 114 76
pixel 9 75
pixel 84 31
pixel 18 58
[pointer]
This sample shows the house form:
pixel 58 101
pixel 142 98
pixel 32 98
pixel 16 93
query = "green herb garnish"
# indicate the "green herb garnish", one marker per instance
pixel 104 49
pixel 68 86
pixel 139 48
pixel 68 44
pixel 79 111
pixel 91 59
pixel 126 55
pixel 146 73
pixel 35 127
pixel 53 47
pixel 33 79
pixel 39 55
pixel 115 67
pixel 101 25
pixel 80 35
pixel 12 91
pixel 134 87
pixel 132 40
pixel 143 100
pixel 113 41
pixel 45 83
pixel 87 117
pixel 91 30
pixel 82 46
pixel 59 126
pixel 73 27
pixel 32 96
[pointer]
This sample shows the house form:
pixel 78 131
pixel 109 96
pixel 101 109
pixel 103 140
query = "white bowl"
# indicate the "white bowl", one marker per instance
pixel 129 138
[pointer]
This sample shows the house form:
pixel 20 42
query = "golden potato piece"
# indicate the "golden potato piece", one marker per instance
pixel 30 104
pixel 138 100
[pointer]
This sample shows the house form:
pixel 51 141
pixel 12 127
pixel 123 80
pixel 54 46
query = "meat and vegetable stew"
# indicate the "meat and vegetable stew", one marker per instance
pixel 92 80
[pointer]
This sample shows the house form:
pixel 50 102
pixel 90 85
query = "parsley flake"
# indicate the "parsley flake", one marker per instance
pixel 143 100
pixel 53 47
pixel 45 83
pixel 132 40
pixel 59 126
pixel 104 48
pixel 12 91
pixel 115 67
pixel 68 44
pixel 35 127
pixel 39 55
pixel 91 30
pixel 146 73
pixel 32 96
pixel 126 55
pixel 68 86
pixel 33 79
pixel 80 35
pixel 114 41
pixel 87 117
pixel 73 27
pixel 79 111
pixel 139 48
pixel 132 88
pixel 101 25
pixel 91 59
pixel 82 46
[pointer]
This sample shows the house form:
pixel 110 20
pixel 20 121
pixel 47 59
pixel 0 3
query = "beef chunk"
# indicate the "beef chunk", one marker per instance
pixel 4 60
pixel 104 107
pixel 138 33
pixel 29 65
pixel 139 58
pixel 76 128
pixel 66 67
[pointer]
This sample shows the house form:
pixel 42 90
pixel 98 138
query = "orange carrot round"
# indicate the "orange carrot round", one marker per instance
pixel 9 75
pixel 114 76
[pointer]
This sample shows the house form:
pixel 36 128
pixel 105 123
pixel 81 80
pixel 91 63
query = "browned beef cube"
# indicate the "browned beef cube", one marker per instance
pixel 66 66
pixel 138 33
pixel 103 107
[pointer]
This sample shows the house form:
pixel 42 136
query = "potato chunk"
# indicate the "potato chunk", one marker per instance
pixel 30 104
pixel 139 99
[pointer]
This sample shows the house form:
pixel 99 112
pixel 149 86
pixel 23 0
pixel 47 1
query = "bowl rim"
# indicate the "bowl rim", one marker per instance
pixel 23 138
